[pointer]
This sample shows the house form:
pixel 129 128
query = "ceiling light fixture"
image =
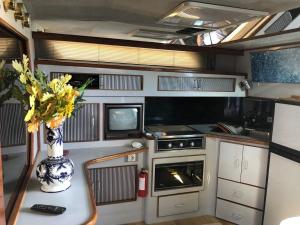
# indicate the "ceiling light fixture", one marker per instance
pixel 9 5
pixel 20 12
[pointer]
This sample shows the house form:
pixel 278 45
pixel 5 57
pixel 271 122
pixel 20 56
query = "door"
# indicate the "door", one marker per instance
pixel 230 161
pixel 254 166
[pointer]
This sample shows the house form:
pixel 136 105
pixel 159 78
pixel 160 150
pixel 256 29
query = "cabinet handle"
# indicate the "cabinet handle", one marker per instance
pixel 245 165
pixel 236 216
pixel 237 163
pixel 179 205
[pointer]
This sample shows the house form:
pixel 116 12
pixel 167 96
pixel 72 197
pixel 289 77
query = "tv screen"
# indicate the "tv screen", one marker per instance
pixel 123 119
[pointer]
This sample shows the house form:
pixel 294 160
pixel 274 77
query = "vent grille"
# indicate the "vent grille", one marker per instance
pixel 121 82
pixel 84 125
pixel 114 184
pixel 12 126
pixel 284 20
pixel 168 83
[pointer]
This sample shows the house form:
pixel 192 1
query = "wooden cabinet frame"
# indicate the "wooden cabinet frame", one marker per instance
pixel 17 198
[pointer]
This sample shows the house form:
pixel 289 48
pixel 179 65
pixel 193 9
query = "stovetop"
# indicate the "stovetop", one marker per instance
pixel 172 131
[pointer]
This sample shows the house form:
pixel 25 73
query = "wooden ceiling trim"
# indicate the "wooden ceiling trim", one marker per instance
pixel 131 43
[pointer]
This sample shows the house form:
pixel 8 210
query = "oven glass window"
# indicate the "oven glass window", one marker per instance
pixel 178 175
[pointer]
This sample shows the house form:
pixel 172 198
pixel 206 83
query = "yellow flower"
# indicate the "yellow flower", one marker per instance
pixel 33 125
pixel 32 100
pixel 29 114
pixel 47 110
pixel 65 79
pixel 69 109
pixel 46 96
pixel 55 122
pixel 53 85
pixel 17 66
pixel 23 78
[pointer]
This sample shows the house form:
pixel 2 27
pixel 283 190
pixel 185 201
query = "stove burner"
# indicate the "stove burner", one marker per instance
pixel 177 137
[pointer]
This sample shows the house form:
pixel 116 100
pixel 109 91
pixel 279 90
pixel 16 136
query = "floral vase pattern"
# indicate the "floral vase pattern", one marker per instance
pixel 56 171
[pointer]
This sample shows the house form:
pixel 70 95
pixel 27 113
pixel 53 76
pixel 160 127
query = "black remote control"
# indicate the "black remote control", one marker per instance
pixel 51 209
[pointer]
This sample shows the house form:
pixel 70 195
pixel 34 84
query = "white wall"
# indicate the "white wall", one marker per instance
pixel 265 90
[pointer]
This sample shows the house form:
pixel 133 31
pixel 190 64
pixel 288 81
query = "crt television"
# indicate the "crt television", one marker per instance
pixel 123 121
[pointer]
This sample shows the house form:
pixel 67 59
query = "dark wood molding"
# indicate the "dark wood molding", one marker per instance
pixel 93 217
pixel 17 197
pixel 275 47
pixel 131 43
pixel 130 67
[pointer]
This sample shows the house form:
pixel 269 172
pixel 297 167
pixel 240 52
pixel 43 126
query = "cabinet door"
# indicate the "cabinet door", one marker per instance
pixel 254 166
pixel 230 161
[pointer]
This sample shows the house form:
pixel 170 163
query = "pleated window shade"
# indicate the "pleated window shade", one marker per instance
pixel 9 48
pixel 78 51
pixel 114 184
pixel 12 125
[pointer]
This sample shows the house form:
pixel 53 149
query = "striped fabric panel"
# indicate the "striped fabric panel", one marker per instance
pixel 84 126
pixel 12 125
pixel 121 82
pixel 168 83
pixel 114 184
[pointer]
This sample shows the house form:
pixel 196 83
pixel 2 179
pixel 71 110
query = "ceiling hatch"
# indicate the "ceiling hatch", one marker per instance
pixel 208 16
pixel 157 34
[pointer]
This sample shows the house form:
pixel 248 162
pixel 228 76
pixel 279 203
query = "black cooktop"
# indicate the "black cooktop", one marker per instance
pixel 171 130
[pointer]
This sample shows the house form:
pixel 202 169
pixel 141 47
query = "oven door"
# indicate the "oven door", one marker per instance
pixel 177 175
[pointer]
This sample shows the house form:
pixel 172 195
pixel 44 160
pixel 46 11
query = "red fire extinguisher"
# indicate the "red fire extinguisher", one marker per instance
pixel 143 183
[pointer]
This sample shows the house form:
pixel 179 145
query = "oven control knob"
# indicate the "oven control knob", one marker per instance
pixel 181 145
pixel 170 145
pixel 192 144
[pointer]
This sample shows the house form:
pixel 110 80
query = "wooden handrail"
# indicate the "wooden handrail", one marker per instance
pixel 93 218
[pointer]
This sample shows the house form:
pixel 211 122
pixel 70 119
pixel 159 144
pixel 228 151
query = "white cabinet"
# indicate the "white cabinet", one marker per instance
pixel 241 193
pixel 254 166
pixel 241 163
pixel 241 182
pixel 230 160
pixel 238 214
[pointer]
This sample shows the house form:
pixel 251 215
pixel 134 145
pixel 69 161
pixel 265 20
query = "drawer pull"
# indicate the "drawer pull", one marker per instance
pixel 179 205
pixel 245 165
pixel 237 194
pixel 236 216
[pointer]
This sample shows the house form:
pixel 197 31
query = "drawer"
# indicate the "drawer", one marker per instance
pixel 178 204
pixel 241 193
pixel 238 214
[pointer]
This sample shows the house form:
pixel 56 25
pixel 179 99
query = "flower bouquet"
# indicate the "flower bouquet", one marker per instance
pixel 49 102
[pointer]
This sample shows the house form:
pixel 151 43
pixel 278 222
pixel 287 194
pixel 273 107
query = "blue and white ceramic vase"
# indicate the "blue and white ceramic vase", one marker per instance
pixel 56 171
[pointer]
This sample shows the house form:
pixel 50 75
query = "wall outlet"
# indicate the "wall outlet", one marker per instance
pixel 131 158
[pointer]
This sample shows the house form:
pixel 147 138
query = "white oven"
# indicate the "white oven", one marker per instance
pixel 173 175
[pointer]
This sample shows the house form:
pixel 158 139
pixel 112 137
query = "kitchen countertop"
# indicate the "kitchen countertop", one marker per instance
pixel 76 199
pixel 239 138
